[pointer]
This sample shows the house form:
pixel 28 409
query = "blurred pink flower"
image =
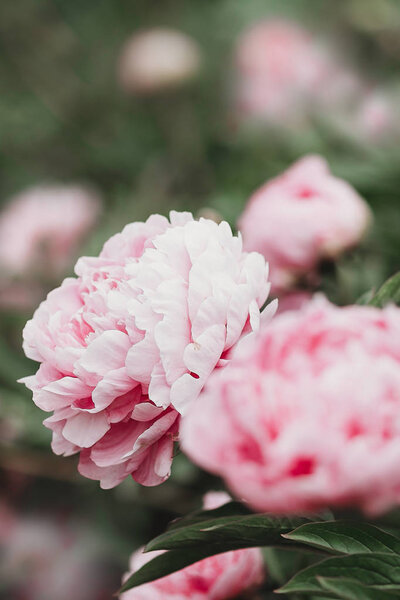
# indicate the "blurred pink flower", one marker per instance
pixel 300 217
pixel 44 559
pixel 20 295
pixel 377 117
pixel 306 415
pixel 130 342
pixel 214 578
pixel 41 229
pixel 157 59
pixel 284 72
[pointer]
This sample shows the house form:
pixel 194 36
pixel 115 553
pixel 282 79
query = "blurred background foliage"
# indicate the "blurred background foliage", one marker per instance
pixel 64 118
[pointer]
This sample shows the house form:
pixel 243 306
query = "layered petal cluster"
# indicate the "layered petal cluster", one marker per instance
pixel 41 229
pixel 300 217
pixel 214 578
pixel 282 71
pixel 126 345
pixel 307 414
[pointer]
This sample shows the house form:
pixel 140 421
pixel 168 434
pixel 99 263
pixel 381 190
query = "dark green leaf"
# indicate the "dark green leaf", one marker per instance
pixel 283 562
pixel 237 531
pixel 345 537
pixel 381 571
pixel 389 292
pixel 346 589
pixel 189 544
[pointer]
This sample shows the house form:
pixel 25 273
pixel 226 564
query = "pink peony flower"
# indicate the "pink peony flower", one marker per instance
pixel 158 59
pixel 41 229
pixel 307 413
pixel 283 71
pixel 300 217
pixel 214 578
pixel 130 342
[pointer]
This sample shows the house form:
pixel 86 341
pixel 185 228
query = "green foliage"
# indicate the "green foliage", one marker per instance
pixel 388 293
pixel 374 570
pixel 236 531
pixel 345 589
pixel 345 537
pixel 367 557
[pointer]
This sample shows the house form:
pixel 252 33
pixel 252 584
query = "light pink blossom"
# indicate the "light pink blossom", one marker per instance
pixel 300 217
pixel 283 72
pixel 41 229
pixel 214 578
pixel 306 416
pixel 126 345
pixel 158 59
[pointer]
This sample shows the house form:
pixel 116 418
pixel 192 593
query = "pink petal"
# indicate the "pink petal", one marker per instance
pixel 118 444
pixel 61 393
pixel 159 390
pixel 109 477
pixel 153 433
pixel 141 359
pixel 114 384
pixel 104 354
pixel 84 429
pixel 146 411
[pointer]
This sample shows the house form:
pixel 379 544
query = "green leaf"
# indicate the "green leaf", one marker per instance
pixel 381 571
pixel 389 292
pixel 236 531
pixel 283 562
pixel 366 298
pixel 345 537
pixel 191 543
pixel 346 589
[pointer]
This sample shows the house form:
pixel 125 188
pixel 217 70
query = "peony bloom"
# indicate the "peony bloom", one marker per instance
pixel 157 59
pixel 282 71
pixel 306 416
pixel 214 578
pixel 300 217
pixel 126 345
pixel 41 229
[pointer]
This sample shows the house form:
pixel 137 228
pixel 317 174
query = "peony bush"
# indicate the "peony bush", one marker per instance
pixel 128 344
pixel 166 337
